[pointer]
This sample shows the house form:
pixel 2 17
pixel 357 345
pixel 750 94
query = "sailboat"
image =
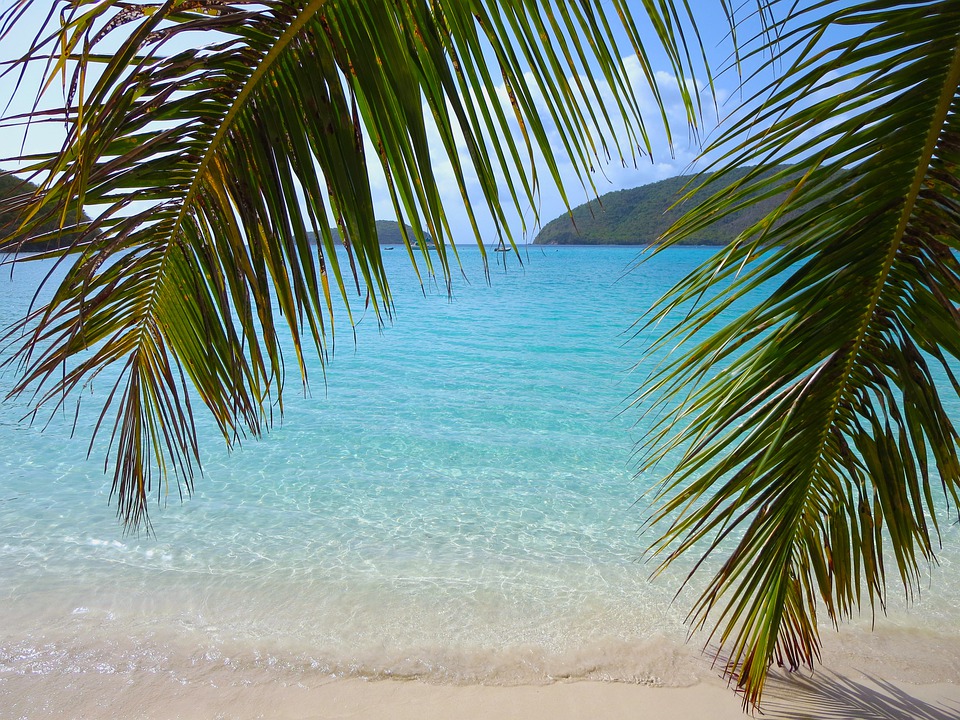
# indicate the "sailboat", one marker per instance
pixel 501 247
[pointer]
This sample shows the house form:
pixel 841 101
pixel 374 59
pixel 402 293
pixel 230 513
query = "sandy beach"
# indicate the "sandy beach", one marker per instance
pixel 884 675
pixel 159 670
pixel 848 695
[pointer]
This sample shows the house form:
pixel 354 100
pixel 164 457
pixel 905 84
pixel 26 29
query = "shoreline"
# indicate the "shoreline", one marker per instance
pixel 164 671
pixel 244 635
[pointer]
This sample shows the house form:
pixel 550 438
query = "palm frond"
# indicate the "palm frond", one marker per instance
pixel 811 426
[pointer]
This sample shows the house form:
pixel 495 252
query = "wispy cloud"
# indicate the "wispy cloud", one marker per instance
pixel 618 164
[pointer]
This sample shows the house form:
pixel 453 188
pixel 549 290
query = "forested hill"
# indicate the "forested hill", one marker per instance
pixel 9 187
pixel 388 233
pixel 640 215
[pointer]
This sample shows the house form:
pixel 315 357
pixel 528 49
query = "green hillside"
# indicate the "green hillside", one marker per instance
pixel 640 215
pixel 11 186
pixel 388 233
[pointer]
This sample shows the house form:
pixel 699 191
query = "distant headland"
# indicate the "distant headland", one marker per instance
pixel 10 188
pixel 637 216
pixel 388 233
pixel 641 215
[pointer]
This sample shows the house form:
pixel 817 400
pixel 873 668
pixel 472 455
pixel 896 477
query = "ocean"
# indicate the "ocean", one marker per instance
pixel 455 499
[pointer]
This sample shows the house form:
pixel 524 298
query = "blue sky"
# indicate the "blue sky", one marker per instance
pixel 667 161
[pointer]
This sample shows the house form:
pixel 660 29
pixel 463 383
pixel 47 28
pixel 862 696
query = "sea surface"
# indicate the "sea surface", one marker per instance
pixel 455 499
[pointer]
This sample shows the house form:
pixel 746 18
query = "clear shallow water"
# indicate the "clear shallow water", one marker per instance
pixel 457 504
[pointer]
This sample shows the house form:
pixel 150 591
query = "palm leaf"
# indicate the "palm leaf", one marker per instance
pixel 811 426
pixel 207 138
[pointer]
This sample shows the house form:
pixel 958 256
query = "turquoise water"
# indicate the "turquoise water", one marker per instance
pixel 456 504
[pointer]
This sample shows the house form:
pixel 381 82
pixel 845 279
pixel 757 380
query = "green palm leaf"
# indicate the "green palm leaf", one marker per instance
pixel 207 138
pixel 810 427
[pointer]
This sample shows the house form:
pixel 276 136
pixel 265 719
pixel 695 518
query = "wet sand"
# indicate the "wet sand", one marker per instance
pixel 842 694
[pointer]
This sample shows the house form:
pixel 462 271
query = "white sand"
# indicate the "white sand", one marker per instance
pixel 158 695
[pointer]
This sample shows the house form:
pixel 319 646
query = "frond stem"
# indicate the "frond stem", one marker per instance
pixel 240 100
pixel 939 117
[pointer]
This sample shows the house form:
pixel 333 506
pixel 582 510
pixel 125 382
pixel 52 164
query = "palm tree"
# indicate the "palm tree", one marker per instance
pixel 809 426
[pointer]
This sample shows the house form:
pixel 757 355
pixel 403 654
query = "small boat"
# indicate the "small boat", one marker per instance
pixel 501 247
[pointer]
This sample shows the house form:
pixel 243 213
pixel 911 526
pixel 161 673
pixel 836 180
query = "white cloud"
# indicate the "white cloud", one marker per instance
pixel 615 174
